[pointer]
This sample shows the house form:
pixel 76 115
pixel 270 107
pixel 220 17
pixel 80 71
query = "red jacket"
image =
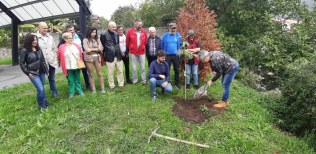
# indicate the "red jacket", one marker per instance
pixel 131 41
pixel 61 57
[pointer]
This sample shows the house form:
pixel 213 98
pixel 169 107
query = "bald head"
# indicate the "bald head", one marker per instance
pixel 43 28
pixel 112 26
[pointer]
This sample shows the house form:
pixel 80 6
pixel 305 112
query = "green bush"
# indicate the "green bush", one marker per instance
pixel 297 107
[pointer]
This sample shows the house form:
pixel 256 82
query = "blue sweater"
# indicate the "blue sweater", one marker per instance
pixel 170 43
pixel 157 69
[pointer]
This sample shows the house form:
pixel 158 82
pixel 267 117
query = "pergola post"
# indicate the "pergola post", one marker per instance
pixel 15 42
pixel 83 18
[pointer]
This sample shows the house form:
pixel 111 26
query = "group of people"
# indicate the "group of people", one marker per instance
pixel 40 56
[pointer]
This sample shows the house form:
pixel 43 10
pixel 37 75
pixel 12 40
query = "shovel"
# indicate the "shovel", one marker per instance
pixel 202 91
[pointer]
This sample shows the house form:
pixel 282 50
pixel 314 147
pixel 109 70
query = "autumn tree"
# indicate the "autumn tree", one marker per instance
pixel 195 15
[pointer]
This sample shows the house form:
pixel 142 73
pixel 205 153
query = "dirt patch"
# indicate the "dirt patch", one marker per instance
pixel 195 111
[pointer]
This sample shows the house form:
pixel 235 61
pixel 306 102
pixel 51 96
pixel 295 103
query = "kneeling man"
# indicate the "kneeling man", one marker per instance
pixel 159 75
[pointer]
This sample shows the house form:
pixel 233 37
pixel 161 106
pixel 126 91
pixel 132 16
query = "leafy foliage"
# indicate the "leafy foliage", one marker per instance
pixel 159 12
pixel 125 16
pixel 297 108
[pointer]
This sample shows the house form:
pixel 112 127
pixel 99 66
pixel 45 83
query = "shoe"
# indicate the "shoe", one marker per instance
pixel 82 94
pixel 129 81
pixel 178 86
pixel 144 83
pixel 94 91
pixel 102 91
pixel 121 87
pixel 55 94
pixel 154 98
pixel 221 104
pixel 188 87
pixel 71 96
pixel 196 87
pixel 43 109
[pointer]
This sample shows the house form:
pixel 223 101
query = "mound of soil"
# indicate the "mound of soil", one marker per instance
pixel 195 110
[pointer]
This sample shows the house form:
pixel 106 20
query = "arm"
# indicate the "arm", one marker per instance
pixel 86 47
pixel 151 71
pixel 102 40
pixel 23 61
pixel 100 46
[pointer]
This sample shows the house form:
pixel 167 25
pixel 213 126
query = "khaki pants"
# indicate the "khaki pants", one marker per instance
pixel 96 64
pixel 119 70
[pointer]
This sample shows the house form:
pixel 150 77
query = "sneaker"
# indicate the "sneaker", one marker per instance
pixel 94 91
pixel 82 94
pixel 121 87
pixel 154 98
pixel 196 87
pixel 102 91
pixel 71 96
pixel 129 81
pixel 188 86
pixel 144 83
pixel 221 104
pixel 55 94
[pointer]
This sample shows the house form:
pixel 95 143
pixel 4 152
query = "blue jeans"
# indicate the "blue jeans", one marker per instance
pixel 39 81
pixel 153 83
pixel 194 70
pixel 226 81
pixel 51 79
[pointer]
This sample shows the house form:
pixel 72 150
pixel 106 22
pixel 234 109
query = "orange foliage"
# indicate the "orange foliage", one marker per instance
pixel 195 15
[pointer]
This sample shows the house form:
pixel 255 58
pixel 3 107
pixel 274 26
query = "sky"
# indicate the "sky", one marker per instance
pixel 106 8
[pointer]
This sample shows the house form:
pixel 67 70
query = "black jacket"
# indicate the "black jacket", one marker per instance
pixel 32 63
pixel 111 49
pixel 157 45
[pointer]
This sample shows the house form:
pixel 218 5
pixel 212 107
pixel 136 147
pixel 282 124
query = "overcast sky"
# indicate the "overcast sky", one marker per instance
pixel 106 8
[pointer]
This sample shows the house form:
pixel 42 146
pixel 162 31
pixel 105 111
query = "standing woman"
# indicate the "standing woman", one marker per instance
pixel 92 57
pixel 223 65
pixel 192 64
pixel 33 64
pixel 68 54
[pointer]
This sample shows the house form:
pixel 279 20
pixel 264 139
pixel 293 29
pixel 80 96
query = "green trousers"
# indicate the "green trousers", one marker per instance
pixel 74 81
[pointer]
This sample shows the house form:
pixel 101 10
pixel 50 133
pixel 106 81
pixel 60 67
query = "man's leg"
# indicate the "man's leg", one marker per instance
pixel 110 67
pixel 142 68
pixel 175 60
pixel 134 67
pixel 126 65
pixel 51 79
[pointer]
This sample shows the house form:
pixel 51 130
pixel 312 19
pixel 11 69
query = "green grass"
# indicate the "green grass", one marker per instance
pixel 6 61
pixel 122 121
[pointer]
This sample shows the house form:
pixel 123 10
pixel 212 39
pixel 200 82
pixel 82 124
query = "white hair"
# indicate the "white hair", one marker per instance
pixel 152 28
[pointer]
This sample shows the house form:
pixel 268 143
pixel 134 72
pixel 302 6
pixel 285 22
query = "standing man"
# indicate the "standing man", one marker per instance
pixel 112 55
pixel 78 39
pixel 159 75
pixel 170 43
pixel 124 50
pixel 136 40
pixel 48 46
pixel 152 46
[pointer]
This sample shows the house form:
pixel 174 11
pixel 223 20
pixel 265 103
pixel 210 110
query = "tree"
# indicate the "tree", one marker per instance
pixel 195 15
pixel 125 16
pixel 159 12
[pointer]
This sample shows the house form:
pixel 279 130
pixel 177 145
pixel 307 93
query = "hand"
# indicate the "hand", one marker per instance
pixel 164 85
pixel 209 82
pixel 31 76
pixel 162 76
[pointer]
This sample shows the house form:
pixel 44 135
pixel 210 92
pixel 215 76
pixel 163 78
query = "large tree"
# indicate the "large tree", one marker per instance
pixel 159 12
pixel 125 16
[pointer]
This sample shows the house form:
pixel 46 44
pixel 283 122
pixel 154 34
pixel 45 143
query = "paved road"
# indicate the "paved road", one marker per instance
pixel 13 75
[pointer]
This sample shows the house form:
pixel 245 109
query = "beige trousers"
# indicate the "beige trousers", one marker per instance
pixel 119 72
pixel 97 65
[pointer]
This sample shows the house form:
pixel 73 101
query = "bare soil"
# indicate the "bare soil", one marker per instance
pixel 195 110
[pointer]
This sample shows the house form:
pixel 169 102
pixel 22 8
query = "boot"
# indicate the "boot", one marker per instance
pixel 188 86
pixel 220 104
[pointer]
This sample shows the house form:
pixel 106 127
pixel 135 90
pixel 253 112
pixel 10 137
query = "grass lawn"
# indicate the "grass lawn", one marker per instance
pixel 6 61
pixel 121 122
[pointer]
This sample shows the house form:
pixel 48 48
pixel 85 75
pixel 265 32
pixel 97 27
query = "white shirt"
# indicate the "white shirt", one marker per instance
pixel 122 43
pixel 71 56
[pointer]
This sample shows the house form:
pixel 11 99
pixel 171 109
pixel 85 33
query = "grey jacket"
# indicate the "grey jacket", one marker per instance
pixel 49 49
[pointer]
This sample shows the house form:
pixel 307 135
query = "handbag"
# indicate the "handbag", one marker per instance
pixel 103 62
pixel 80 62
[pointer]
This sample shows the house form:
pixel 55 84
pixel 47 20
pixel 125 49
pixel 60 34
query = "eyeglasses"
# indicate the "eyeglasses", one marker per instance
pixel 174 28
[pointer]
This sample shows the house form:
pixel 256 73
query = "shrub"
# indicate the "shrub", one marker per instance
pixel 297 107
